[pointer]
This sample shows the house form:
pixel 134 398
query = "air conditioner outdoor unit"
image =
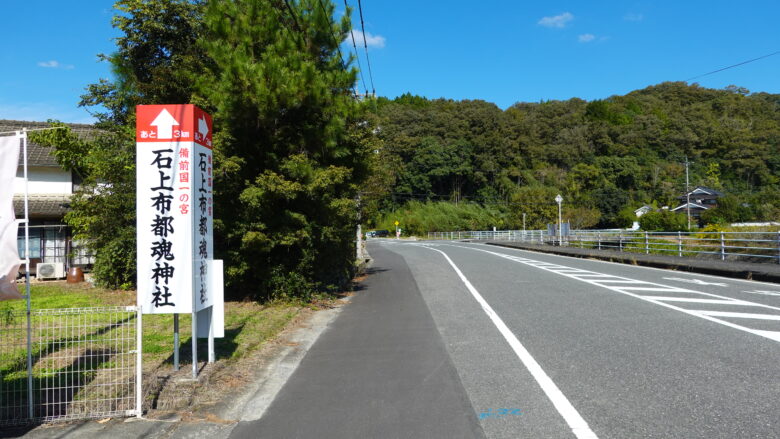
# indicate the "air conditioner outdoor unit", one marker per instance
pixel 50 270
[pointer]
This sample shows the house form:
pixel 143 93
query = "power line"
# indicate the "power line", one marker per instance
pixel 336 42
pixel 735 65
pixel 365 45
pixel 285 25
pixel 294 16
pixel 357 57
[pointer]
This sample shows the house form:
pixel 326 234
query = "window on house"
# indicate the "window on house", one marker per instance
pixel 35 242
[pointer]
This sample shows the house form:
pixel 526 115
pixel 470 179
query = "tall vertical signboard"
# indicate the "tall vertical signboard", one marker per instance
pixel 174 208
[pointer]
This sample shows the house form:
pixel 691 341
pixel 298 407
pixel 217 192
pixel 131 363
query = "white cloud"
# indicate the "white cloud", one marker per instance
pixel 54 64
pixel 558 21
pixel 631 16
pixel 586 38
pixel 377 41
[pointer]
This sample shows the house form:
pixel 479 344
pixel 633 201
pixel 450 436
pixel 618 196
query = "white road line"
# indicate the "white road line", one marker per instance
pixel 617 281
pixel 772 335
pixel 740 315
pixel 696 281
pixel 764 293
pixel 694 300
pixel 670 290
pixel 643 267
pixel 572 417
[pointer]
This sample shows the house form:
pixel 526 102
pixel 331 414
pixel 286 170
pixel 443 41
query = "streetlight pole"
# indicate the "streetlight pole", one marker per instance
pixel 559 200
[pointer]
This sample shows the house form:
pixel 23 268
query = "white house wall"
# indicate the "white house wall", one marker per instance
pixel 44 181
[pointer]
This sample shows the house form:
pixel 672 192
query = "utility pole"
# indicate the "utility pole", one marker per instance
pixel 359 232
pixel 523 226
pixel 687 194
pixel 559 199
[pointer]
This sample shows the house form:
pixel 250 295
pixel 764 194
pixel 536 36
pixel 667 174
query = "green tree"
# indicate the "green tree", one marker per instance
pixel 289 155
pixel 154 62
pixel 663 221
pixel 538 203
pixel 730 209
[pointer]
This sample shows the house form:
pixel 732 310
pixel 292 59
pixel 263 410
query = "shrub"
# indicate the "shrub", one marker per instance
pixel 663 221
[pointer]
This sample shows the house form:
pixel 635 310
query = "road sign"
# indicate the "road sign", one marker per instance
pixel 396 223
pixel 174 171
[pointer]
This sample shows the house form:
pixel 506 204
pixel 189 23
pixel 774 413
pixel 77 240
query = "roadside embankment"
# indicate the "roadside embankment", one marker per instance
pixel 768 272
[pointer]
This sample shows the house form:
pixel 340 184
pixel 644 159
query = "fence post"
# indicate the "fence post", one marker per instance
pixel 647 244
pixel 598 237
pixel 139 374
pixel 620 240
pixel 778 247
pixel 679 243
pixel 722 247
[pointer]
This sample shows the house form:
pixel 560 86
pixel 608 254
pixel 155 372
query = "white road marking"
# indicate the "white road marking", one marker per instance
pixel 740 315
pixel 670 290
pixel 694 300
pixel 572 417
pixel 772 335
pixel 762 292
pixel 642 267
pixel 696 281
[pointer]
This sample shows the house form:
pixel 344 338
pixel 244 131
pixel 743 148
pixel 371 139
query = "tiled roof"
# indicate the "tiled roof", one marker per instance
pixel 41 155
pixel 43 205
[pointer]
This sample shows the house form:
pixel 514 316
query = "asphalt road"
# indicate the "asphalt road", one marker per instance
pixel 469 340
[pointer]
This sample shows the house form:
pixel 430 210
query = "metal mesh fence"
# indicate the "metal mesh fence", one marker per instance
pixel 83 364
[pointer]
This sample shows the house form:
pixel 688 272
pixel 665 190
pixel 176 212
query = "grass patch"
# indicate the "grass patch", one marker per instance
pixel 61 354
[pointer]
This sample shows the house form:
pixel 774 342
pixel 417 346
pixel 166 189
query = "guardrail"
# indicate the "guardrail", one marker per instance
pixel 758 246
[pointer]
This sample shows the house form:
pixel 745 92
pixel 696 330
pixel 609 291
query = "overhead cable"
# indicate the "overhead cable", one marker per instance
pixel 732 66
pixel 357 57
pixel 365 45
pixel 336 41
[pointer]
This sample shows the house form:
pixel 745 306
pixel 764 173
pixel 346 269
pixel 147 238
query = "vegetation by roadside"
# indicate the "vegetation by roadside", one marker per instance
pixel 248 327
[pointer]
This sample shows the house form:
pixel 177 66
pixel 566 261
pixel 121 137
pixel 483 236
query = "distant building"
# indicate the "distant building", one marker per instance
pixel 701 199
pixel 643 210
pixel 50 189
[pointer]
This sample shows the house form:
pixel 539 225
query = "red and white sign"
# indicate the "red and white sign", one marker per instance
pixel 174 199
pixel 178 123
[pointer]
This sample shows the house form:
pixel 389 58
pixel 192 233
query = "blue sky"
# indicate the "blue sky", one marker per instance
pixel 498 51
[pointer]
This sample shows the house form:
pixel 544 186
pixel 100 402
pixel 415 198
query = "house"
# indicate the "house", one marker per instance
pixel 698 200
pixel 643 210
pixel 49 190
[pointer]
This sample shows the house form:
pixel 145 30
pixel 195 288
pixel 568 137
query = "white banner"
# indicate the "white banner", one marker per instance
pixel 9 254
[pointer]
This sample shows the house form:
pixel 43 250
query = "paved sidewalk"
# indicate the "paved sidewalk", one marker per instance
pixel 381 370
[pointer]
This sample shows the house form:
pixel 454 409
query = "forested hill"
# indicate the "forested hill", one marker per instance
pixel 603 156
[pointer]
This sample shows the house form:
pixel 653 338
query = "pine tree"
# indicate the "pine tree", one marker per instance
pixel 155 62
pixel 288 150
